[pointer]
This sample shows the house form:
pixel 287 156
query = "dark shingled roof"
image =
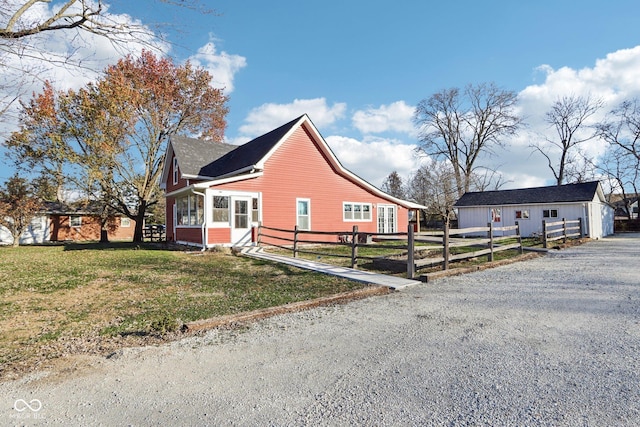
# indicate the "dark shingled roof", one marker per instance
pixel 212 160
pixel 583 192
pixel 194 154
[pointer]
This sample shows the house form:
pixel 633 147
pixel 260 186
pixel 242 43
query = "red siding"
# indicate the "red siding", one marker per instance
pixel 89 229
pixel 300 170
pixel 181 181
pixel 169 219
pixel 218 235
pixel 192 235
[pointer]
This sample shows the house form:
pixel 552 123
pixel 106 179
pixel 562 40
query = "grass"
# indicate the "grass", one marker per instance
pixel 53 297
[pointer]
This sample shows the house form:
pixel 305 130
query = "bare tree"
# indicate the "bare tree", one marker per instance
pixel 462 126
pixel 27 25
pixel 623 175
pixel 621 130
pixel 434 186
pixel 568 116
pixel 393 185
pixel 487 179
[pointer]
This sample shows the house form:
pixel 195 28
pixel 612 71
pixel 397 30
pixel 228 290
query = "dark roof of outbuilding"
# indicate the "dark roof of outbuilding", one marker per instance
pixel 582 192
pixel 198 158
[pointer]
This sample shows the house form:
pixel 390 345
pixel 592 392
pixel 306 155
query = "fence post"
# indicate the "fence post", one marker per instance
pixel 295 241
pixel 354 247
pixel 445 246
pixel 490 256
pixel 580 225
pixel 519 236
pixel 564 230
pixel 544 233
pixel 411 267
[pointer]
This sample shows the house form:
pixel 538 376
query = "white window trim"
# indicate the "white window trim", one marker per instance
pixel 221 224
pixel 308 212
pixel 79 217
pixel 231 195
pixel 175 170
pixel 353 204
pixel 189 196
pixel 125 222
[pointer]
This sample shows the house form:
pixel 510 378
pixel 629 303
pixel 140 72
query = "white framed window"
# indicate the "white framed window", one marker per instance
pixel 175 170
pixel 522 214
pixel 75 221
pixel 496 215
pixel 550 213
pixel 255 209
pixel 189 210
pixel 386 219
pixel 221 209
pixel 303 214
pixel 356 211
pixel 125 222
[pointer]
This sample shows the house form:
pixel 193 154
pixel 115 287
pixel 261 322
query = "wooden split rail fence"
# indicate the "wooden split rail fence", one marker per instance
pixel 564 229
pixel 487 240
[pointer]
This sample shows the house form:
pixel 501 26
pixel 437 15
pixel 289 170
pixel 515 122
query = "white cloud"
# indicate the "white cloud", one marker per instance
pixel 393 117
pixel 222 66
pixel 67 58
pixel 269 116
pixel 612 79
pixel 373 159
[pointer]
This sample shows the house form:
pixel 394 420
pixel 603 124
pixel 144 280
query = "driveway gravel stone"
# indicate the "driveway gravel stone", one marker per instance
pixel 552 341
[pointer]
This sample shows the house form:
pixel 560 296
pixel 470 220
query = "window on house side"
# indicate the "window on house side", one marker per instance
pixel 356 211
pixel 304 214
pixel 221 209
pixel 255 217
pixel 189 210
pixel 75 221
pixel 175 170
pixel 125 222
pixel 550 213
pixel 524 214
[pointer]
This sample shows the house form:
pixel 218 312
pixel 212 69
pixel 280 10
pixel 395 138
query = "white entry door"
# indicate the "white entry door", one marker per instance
pixel 386 219
pixel 241 220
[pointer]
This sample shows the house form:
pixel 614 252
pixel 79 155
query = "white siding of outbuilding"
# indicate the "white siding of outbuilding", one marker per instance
pixel 597 217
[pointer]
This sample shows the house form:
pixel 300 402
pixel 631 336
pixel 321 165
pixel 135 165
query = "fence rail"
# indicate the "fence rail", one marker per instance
pixel 154 233
pixel 557 230
pixel 443 241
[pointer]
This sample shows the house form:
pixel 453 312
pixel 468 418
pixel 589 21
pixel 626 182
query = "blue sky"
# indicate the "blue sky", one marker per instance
pixel 358 68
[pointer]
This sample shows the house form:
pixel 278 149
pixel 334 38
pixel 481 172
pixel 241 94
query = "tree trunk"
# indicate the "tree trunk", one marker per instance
pixel 16 241
pixel 104 235
pixel 138 237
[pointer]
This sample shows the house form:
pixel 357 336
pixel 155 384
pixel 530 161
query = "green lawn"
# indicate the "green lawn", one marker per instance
pixel 51 296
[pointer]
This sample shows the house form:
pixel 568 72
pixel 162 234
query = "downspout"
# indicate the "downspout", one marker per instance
pixel 204 220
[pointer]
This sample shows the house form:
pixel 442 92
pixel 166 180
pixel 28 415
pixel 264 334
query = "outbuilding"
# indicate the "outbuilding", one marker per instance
pixel 530 206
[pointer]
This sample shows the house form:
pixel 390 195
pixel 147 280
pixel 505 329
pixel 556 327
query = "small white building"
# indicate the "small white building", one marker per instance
pixel 530 206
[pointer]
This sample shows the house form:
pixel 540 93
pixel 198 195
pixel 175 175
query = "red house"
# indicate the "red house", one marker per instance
pixel 216 193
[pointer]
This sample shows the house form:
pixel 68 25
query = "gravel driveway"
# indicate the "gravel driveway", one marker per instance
pixel 549 341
